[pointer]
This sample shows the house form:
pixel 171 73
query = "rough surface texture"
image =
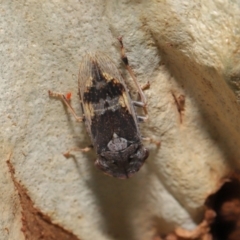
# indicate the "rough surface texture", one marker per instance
pixel 36 225
pixel 10 221
pixel 182 47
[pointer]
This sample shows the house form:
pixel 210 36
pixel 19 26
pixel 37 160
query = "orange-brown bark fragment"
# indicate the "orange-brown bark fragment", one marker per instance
pixel 35 224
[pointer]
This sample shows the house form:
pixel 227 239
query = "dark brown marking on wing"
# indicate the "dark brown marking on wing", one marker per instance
pixel 108 90
pixel 119 122
pixel 102 87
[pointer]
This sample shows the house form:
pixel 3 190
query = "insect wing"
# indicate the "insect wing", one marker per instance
pixel 95 71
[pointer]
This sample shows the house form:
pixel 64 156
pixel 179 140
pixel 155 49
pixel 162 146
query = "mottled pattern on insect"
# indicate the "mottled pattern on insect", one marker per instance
pixel 109 115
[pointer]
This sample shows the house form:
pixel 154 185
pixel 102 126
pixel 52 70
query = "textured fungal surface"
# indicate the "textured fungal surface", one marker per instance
pixel 187 50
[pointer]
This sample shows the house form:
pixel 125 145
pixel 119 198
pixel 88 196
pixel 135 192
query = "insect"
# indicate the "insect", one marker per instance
pixel 109 115
pixel 180 103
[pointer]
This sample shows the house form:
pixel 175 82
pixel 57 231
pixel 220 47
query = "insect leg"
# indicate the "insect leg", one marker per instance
pixel 141 104
pixel 180 103
pixel 64 99
pixel 151 140
pixel 140 91
pixel 76 149
pixel 145 86
pixel 142 118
